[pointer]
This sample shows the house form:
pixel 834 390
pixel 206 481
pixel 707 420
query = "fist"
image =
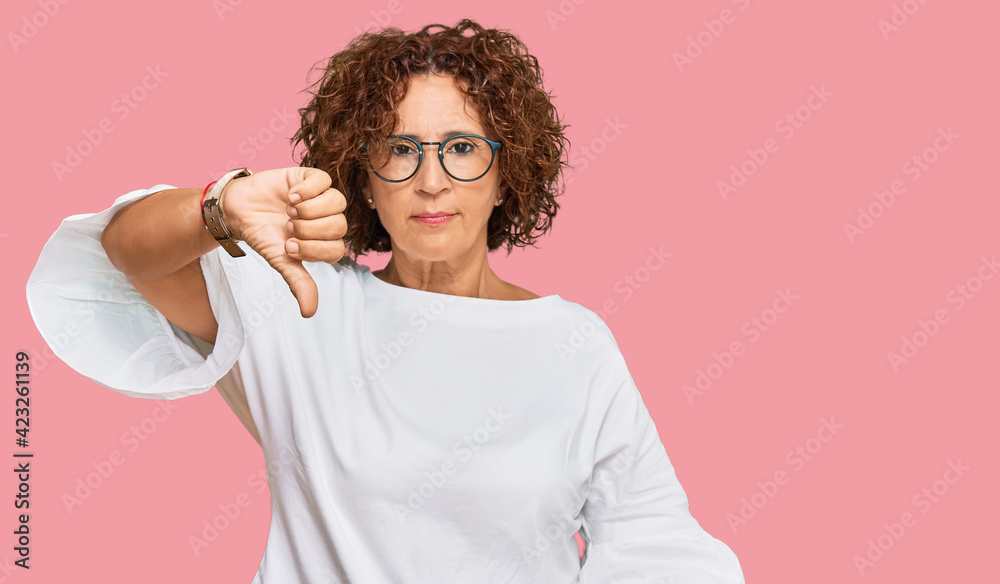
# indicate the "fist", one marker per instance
pixel 288 216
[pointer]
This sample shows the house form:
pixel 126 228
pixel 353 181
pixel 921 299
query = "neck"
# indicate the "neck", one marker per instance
pixel 470 276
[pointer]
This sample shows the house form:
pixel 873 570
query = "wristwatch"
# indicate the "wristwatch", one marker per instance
pixel 211 211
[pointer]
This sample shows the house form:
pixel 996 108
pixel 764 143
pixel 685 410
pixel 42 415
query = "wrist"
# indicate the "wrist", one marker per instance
pixel 213 215
pixel 201 204
pixel 224 209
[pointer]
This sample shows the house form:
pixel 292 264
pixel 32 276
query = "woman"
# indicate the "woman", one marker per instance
pixel 428 422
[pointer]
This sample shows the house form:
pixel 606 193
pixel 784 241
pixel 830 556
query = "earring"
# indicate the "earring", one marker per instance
pixel 369 200
pixel 499 201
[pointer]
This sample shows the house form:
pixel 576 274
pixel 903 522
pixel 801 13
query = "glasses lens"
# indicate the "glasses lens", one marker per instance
pixel 467 157
pixel 396 159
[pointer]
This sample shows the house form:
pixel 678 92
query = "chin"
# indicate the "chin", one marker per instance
pixel 433 248
pixel 436 254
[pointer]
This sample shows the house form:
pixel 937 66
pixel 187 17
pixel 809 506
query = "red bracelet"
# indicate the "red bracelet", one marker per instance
pixel 203 193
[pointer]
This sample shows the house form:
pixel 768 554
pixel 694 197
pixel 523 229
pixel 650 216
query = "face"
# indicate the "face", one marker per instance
pixel 433 109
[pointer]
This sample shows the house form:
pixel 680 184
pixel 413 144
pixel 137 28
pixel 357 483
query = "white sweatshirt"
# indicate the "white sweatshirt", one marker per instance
pixel 409 436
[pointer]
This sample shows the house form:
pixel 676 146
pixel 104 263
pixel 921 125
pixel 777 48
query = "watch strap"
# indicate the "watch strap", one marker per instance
pixel 212 213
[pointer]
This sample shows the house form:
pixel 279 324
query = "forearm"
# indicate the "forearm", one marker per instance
pixel 153 238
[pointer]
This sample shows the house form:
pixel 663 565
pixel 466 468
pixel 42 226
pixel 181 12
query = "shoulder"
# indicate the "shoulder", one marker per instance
pixel 517 293
pixel 576 312
pixel 581 335
pixel 507 291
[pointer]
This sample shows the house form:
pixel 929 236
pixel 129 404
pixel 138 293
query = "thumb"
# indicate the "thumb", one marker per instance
pixel 301 284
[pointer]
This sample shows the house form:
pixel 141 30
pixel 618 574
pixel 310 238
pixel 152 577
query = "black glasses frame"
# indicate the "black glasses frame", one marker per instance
pixel 494 146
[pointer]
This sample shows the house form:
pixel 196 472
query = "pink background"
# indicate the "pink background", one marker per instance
pixel 651 182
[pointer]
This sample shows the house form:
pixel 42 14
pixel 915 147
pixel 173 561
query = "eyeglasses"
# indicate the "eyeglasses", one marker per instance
pixel 465 157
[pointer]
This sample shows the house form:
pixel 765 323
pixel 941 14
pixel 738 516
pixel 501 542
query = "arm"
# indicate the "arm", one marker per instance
pixel 156 243
pixel 136 335
pixel 636 518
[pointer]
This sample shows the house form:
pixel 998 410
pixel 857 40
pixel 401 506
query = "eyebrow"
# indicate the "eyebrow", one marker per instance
pixel 444 136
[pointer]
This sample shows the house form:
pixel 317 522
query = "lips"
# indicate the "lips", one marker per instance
pixel 436 218
pixel 432 215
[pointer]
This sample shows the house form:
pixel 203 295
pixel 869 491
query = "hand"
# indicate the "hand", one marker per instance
pixel 288 216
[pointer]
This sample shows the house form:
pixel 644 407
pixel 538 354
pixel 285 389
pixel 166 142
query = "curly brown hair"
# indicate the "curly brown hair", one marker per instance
pixel 363 84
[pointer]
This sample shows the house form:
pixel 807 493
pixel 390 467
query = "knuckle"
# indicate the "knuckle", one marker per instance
pixel 339 226
pixel 325 227
pixel 331 250
pixel 305 210
pixel 340 204
pixel 320 249
pixel 338 250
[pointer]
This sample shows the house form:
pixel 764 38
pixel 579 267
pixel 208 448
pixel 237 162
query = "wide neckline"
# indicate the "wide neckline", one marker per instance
pixel 374 281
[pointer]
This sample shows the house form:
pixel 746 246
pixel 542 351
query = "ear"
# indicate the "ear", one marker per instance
pixel 501 195
pixel 366 192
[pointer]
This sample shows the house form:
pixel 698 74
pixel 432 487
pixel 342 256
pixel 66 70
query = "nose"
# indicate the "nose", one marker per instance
pixel 431 177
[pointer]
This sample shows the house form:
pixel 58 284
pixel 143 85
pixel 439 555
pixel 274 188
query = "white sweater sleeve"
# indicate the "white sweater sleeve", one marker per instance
pixel 636 520
pixel 94 320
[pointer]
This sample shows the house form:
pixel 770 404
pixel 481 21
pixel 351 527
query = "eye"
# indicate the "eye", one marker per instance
pixel 461 147
pixel 401 149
